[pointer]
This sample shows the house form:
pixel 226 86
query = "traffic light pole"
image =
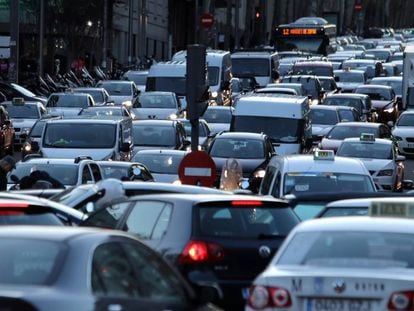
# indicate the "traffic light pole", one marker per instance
pixel 14 42
pixel 194 134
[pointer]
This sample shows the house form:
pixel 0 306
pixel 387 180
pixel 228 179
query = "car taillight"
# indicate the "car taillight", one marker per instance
pixel 261 297
pixel 401 301
pixel 200 251
pixel 246 203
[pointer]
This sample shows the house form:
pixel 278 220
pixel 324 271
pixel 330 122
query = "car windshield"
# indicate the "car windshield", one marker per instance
pixel 312 70
pixel 201 128
pixel 406 120
pixel 350 77
pixel 23 111
pixel 310 86
pixel 149 135
pixel 115 171
pixel 249 66
pixel 396 85
pixel 237 148
pixel 37 129
pixel 176 85
pixel 365 150
pixel 213 75
pixel 323 116
pixel 344 211
pixel 29 261
pixel 117 89
pixel 287 131
pixel 67 174
pixel 79 135
pixel 313 182
pixel 156 101
pixel 217 115
pixel 350 249
pixel 97 96
pixel 375 94
pixel 160 163
pixel 342 132
pixel 139 79
pixel 346 115
pixel 244 222
pixel 67 101
pixel 349 102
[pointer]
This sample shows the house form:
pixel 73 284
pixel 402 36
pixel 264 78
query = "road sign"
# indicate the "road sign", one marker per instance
pixel 197 168
pixel 206 20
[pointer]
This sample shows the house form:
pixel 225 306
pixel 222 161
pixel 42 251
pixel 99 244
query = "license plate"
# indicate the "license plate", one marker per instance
pixel 245 293
pixel 321 304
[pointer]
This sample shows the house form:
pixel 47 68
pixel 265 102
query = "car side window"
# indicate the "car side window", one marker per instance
pixel 149 219
pixel 276 186
pixel 86 175
pixel 96 172
pixel 267 180
pixel 112 273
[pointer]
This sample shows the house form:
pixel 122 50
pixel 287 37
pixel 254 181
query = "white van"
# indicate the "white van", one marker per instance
pixel 219 73
pixel 262 65
pixel 284 118
pixel 99 137
pixel 168 77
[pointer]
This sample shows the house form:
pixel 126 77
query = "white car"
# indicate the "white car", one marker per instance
pixel 403 132
pixel 342 263
pixel 380 157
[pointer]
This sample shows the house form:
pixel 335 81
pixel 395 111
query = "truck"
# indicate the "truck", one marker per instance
pixel 408 78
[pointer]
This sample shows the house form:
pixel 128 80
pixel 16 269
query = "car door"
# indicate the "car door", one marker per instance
pixel 125 274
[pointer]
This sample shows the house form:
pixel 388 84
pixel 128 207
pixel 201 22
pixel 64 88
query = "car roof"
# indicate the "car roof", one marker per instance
pixel 307 163
pixel 69 94
pixel 155 122
pixel 30 103
pixel 246 135
pixel 359 124
pixel 162 151
pixel 348 95
pixel 374 86
pixel 89 119
pixel 313 63
pixel 357 223
pixel 377 141
pixel 220 108
pixel 51 161
pixel 393 78
pixel 88 89
pixel 158 93
pixel 329 107
pixel 159 186
pixel 115 81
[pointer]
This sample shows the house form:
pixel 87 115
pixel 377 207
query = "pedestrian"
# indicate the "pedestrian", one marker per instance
pixel 6 165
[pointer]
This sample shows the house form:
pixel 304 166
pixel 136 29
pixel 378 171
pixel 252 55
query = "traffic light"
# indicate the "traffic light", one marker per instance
pixel 196 81
pixel 257 13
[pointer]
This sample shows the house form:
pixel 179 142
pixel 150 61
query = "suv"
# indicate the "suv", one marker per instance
pixel 69 172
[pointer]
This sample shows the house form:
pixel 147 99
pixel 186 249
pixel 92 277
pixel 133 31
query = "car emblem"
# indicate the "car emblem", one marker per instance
pixel 264 251
pixel 339 286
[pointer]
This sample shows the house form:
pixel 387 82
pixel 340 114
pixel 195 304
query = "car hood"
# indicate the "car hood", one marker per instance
pixel 377 164
pixel 321 129
pixel 139 148
pixel 71 153
pixel 23 122
pixel 405 131
pixel 381 104
pixel 154 113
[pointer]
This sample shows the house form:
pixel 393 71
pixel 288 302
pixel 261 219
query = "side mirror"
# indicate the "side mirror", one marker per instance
pixel 336 79
pixel 125 147
pixel 408 184
pixel 186 143
pixel 35 146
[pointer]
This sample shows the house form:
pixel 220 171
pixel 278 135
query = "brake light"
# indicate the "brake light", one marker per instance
pixel 246 202
pixel 261 297
pixel 14 204
pixel 401 301
pixel 11 213
pixel 200 251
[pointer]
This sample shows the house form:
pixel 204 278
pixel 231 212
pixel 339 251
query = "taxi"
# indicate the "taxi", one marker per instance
pixel 343 263
pixel 381 158
pixel 318 173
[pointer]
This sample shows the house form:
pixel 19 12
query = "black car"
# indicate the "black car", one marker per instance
pixel 216 239
pixel 252 150
pixel 81 269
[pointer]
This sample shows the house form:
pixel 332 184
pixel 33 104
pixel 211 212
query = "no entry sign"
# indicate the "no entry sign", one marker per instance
pixel 197 168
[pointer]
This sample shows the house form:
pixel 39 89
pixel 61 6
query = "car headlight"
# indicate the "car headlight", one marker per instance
pixel 172 116
pixel 214 94
pixel 25 130
pixel 389 110
pixel 127 103
pixel 27 148
pixel 399 138
pixel 314 102
pixel 385 173
pixel 259 174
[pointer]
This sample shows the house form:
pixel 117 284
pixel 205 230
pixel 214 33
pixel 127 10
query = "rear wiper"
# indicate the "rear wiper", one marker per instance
pixel 263 236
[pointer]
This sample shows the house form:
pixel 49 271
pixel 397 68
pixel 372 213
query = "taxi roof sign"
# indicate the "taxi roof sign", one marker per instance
pixel 367 137
pixel 328 155
pixel 18 101
pixel 391 209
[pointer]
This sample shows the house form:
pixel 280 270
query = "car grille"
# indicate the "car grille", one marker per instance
pixel 410 139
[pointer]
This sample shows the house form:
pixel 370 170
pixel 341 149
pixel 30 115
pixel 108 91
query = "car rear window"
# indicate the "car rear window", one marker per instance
pixel 28 261
pixel 244 221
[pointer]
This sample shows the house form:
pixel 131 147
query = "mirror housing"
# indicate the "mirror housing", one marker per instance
pixel 35 146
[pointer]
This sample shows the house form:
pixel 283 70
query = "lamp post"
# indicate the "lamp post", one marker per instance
pixel 14 41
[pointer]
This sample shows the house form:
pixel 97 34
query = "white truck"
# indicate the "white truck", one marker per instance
pixel 408 78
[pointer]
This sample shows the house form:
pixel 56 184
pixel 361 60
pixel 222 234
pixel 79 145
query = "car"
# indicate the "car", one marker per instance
pixel 340 131
pixel 381 158
pixel 157 105
pixel 319 172
pixel 348 79
pixel 218 118
pixel 215 238
pixel 163 164
pixel 23 116
pixel 383 100
pixel 69 172
pixel 138 76
pixel 204 132
pixel 68 104
pixel 107 110
pixel 252 150
pixel 372 68
pixel 310 83
pixel 120 92
pixel 335 262
pixel 382 55
pixel 324 117
pixel 403 132
pixel 361 102
pixel 127 171
pixel 298 87
pixel 316 68
pixel 6 133
pixel 329 85
pixel 87 269
pixel 394 82
pixel 159 134
pixel 100 95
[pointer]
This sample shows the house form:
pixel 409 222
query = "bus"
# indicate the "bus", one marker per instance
pixel 308 34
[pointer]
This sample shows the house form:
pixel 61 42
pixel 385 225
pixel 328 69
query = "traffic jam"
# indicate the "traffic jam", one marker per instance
pixel 258 179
